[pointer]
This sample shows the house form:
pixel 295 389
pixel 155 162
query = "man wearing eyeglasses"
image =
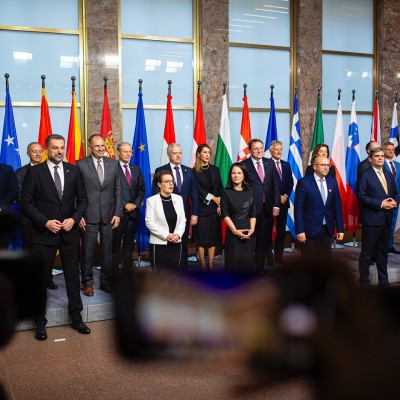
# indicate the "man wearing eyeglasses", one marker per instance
pixel 318 211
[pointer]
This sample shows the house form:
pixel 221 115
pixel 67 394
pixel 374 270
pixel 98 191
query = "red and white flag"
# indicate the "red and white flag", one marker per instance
pixel 245 133
pixel 199 135
pixel 106 128
pixel 169 131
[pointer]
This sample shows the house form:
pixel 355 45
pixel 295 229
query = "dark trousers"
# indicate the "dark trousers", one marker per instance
pixel 123 243
pixel 263 235
pixel 89 237
pixel 280 232
pixel 69 253
pixel 318 246
pixel 185 240
pixel 26 236
pixel 166 257
pixel 375 241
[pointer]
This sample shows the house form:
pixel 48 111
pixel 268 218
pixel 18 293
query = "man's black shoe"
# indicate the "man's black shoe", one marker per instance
pixel 52 286
pixel 80 327
pixel 394 251
pixel 41 333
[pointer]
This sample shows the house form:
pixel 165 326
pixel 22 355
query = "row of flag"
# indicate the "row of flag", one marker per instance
pixel 346 166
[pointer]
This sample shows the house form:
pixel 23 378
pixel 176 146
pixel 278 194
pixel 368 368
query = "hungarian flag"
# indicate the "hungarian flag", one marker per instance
pixel 199 135
pixel 338 160
pixel 106 128
pixel 318 136
pixel 223 154
pixel 74 145
pixel 245 132
pixel 45 129
pixel 169 131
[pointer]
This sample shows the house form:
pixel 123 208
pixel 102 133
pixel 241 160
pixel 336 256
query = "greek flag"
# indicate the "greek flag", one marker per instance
pixel 394 133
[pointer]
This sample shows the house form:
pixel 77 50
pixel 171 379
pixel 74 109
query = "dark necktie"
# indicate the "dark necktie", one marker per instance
pixel 57 182
pixel 323 194
pixel 100 172
pixel 128 175
pixel 178 178
pixel 392 168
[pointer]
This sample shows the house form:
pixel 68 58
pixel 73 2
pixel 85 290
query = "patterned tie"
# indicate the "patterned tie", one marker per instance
pixel 323 194
pixel 178 178
pixel 57 182
pixel 128 175
pixel 383 181
pixel 100 172
pixel 278 167
pixel 392 168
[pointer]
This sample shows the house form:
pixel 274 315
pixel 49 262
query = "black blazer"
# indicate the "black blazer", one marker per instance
pixel 21 172
pixel 188 190
pixel 8 187
pixel 40 202
pixel 286 183
pixel 362 166
pixel 370 194
pixel 206 207
pixel 132 194
pixel 269 188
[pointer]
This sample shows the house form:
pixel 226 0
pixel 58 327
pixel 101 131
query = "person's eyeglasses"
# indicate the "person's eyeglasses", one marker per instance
pixel 168 181
pixel 324 165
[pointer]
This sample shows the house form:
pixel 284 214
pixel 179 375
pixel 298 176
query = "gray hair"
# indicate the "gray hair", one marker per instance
pixel 171 145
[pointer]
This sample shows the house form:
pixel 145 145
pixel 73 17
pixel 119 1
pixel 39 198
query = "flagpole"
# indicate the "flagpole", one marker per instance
pixel 43 81
pixel 7 76
pixel 73 79
pixel 198 86
pixel 169 86
pixel 272 90
pixel 244 89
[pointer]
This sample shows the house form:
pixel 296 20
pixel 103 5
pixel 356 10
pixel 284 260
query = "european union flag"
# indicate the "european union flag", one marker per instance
pixel 272 132
pixel 9 144
pixel 140 157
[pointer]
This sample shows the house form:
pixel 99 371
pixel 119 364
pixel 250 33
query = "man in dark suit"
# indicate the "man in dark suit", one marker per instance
pixel 185 186
pixel 318 211
pixel 132 195
pixel 103 187
pixel 377 194
pixel 264 180
pixel 365 164
pixel 34 152
pixel 286 187
pixel 54 198
pixel 8 194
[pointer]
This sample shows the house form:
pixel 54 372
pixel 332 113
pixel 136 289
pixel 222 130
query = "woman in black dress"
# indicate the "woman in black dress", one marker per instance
pixel 321 150
pixel 239 213
pixel 207 232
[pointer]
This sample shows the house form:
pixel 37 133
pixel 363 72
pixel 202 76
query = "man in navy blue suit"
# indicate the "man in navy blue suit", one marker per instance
pixel 185 186
pixel 377 194
pixel 286 187
pixel 263 179
pixel 318 211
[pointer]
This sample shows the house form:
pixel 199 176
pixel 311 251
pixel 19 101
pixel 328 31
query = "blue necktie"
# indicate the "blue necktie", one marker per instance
pixel 178 178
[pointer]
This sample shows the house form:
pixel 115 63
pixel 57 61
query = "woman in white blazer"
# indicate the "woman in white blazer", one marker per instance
pixel 165 219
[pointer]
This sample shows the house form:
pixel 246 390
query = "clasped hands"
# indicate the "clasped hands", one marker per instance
pixel 301 237
pixel 173 238
pixel 54 225
pixel 388 204
pixel 243 234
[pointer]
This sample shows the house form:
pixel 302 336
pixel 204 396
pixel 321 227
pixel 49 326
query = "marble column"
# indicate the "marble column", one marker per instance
pixel 102 60
pixel 309 67
pixel 388 51
pixel 214 63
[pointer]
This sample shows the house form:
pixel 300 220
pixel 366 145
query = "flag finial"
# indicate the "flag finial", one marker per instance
pixel 376 94
pixel 198 86
pixel 272 90
pixel 339 91
pixel 140 85
pixel 319 88
pixel 105 79
pixel 169 86
pixel 296 91
pixel 43 83
pixel 244 89
pixel 73 79
pixel 354 95
pixel 224 89
pixel 7 75
pixel 395 96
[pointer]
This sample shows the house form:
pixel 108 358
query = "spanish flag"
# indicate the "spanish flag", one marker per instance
pixel 74 146
pixel 45 129
pixel 106 128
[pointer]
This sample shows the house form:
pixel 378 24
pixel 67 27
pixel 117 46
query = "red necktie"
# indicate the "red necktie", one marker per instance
pixel 392 168
pixel 278 167
pixel 127 175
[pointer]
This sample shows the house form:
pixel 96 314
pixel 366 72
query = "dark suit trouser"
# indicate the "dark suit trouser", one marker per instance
pixel 375 241
pixel 185 240
pixel 318 246
pixel 263 236
pixel 125 234
pixel 280 232
pixel 89 246
pixel 26 236
pixel 69 253
pixel 166 257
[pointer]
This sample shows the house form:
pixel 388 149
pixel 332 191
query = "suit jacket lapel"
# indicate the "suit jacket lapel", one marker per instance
pixel 90 163
pixel 49 178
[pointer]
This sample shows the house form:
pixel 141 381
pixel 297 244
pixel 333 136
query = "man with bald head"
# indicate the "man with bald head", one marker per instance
pixel 318 211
